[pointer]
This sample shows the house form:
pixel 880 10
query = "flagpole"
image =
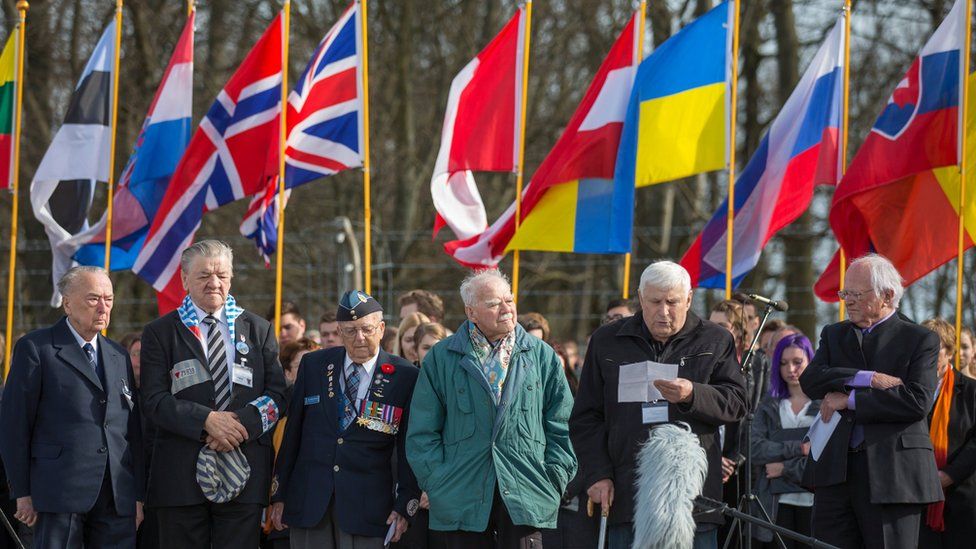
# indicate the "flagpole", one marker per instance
pixel 638 56
pixel 367 201
pixel 22 7
pixel 519 169
pixel 282 137
pixel 115 119
pixel 964 118
pixel 843 137
pixel 191 6
pixel 730 228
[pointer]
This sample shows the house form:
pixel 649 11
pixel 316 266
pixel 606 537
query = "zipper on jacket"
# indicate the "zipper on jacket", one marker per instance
pixel 681 361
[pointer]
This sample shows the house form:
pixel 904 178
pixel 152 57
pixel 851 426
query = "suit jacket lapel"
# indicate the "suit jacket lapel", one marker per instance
pixel 242 332
pixel 114 364
pixel 70 352
pixel 333 387
pixel 191 341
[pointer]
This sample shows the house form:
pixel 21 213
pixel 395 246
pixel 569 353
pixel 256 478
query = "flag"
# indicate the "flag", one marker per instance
pixel 324 123
pixel 677 121
pixel 894 200
pixel 8 91
pixel 800 150
pixel 230 156
pixel 565 206
pixel 161 141
pixel 63 185
pixel 481 128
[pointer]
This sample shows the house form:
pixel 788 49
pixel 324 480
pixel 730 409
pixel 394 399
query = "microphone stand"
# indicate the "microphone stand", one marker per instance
pixel 712 505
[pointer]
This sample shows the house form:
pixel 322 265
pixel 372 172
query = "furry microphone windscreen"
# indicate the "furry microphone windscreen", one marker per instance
pixel 671 469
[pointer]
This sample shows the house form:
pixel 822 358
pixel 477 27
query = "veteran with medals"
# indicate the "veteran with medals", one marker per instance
pixel 213 387
pixel 341 477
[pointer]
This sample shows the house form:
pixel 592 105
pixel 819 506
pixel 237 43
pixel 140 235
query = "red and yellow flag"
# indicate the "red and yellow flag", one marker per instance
pixel 8 71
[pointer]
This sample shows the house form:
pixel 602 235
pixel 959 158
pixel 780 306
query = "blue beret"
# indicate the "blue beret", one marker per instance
pixel 355 304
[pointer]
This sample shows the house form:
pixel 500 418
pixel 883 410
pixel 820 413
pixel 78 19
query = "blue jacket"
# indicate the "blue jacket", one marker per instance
pixel 60 428
pixel 318 464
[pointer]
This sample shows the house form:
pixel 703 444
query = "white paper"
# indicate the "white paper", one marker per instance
pixel 636 381
pixel 389 534
pixel 820 432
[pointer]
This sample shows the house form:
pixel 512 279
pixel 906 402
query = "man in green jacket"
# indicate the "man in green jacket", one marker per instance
pixel 488 438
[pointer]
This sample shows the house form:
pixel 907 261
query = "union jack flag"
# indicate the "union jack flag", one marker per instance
pixel 324 122
pixel 227 159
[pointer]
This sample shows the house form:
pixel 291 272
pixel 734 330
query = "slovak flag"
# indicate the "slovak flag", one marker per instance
pixel 480 130
pixel 800 150
pixel 227 159
pixel 325 125
pixel 565 206
pixel 888 201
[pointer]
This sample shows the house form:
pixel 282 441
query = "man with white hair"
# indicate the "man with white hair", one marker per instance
pixel 878 371
pixel 487 437
pixel 709 392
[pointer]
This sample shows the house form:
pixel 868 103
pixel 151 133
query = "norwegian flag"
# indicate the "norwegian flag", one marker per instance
pixel 325 121
pixel 227 159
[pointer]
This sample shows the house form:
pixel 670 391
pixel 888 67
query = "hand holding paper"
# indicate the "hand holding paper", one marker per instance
pixel 636 383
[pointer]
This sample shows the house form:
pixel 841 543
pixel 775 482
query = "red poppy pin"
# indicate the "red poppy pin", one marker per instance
pixel 387 368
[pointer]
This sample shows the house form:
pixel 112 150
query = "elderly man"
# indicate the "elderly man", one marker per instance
pixel 70 431
pixel 708 392
pixel 879 372
pixel 341 478
pixel 488 438
pixel 213 388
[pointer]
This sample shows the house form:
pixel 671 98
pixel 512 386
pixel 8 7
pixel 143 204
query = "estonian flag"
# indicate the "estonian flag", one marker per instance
pixel 63 185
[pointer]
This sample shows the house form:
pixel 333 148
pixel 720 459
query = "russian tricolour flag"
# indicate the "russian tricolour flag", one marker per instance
pixel 799 151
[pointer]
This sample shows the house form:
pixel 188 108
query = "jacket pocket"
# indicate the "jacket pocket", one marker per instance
pixel 916 440
pixel 40 450
pixel 460 426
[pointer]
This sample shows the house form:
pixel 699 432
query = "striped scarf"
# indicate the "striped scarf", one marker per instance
pixel 188 315
pixel 939 432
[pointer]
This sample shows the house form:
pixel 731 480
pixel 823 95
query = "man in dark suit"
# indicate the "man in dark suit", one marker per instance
pixel 342 479
pixel 878 371
pixel 70 431
pixel 213 388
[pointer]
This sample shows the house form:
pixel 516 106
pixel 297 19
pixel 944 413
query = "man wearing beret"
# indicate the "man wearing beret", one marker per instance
pixel 341 478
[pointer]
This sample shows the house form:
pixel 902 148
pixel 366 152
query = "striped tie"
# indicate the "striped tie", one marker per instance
pixel 218 364
pixel 352 391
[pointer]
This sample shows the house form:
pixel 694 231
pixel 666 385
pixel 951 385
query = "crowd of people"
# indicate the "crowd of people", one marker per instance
pixel 208 429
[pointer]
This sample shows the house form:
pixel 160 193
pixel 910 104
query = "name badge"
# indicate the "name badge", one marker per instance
pixel 654 412
pixel 243 375
pixel 186 374
pixel 314 399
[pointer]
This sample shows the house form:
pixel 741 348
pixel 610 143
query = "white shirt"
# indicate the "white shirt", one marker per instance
pixel 81 341
pixel 365 380
pixel 221 316
pixel 789 420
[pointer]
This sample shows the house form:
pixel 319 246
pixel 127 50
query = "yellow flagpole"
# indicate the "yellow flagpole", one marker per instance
pixel 115 120
pixel 843 137
pixel 730 227
pixel 367 201
pixel 638 56
pixel 519 169
pixel 962 177
pixel 22 7
pixel 282 137
pixel 191 6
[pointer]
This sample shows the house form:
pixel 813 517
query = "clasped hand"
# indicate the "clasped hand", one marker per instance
pixel 224 431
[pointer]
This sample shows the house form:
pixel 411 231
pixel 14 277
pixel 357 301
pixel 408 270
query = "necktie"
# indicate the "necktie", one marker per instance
pixel 352 390
pixel 93 362
pixel 218 364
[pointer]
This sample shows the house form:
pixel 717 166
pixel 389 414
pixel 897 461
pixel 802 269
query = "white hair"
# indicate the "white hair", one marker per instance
pixel 884 276
pixel 206 248
pixel 665 275
pixel 471 285
pixel 70 278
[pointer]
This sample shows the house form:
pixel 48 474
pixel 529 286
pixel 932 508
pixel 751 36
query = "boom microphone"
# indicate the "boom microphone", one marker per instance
pixel 778 305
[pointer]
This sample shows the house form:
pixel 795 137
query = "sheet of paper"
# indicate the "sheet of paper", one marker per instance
pixel 636 380
pixel 389 534
pixel 820 433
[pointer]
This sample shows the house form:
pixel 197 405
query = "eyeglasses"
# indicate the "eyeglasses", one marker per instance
pixel 367 330
pixel 848 295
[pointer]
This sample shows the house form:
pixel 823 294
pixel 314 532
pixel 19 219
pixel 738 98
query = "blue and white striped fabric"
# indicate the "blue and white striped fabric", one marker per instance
pixel 188 315
pixel 222 475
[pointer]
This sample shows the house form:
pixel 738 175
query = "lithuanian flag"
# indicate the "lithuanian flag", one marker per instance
pixel 8 71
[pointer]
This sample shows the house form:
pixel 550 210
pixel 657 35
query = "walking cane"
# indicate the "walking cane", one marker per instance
pixel 603 522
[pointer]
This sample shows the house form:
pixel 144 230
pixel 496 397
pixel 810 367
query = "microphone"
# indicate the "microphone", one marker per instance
pixel 778 305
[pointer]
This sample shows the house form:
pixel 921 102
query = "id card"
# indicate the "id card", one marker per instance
pixel 243 375
pixel 654 412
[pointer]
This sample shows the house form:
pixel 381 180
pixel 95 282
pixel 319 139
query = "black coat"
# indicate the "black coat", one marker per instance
pixel 60 428
pixel 318 464
pixel 896 434
pixel 607 434
pixel 179 418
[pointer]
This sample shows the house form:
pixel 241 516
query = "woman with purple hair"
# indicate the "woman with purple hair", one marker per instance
pixel 781 422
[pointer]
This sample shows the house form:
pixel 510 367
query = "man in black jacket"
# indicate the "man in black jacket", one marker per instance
pixel 708 392
pixel 878 370
pixel 210 378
